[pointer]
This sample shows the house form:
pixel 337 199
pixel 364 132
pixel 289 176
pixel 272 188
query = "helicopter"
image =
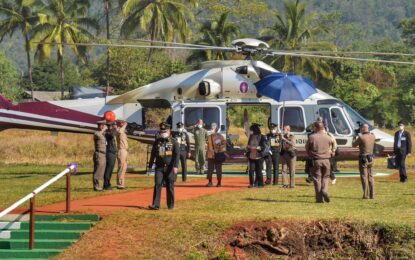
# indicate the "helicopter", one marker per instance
pixel 207 94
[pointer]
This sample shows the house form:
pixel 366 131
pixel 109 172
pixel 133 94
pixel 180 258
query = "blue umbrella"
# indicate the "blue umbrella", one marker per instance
pixel 285 87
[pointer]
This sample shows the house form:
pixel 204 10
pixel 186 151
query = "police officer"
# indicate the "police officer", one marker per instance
pixel 182 138
pixel 288 157
pixel 111 154
pixel 318 147
pixel 201 137
pixel 366 142
pixel 402 147
pixel 166 153
pixel 122 143
pixel 273 160
pixel 99 155
pixel 257 150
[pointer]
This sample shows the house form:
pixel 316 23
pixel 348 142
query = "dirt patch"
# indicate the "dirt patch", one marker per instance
pixel 318 240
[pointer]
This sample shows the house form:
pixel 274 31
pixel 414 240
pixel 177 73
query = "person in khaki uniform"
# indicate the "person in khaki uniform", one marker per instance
pixel 200 136
pixel 122 143
pixel 288 157
pixel 366 143
pixel 216 145
pixel 318 147
pixel 100 159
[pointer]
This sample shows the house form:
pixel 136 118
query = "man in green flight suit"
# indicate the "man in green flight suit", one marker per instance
pixel 201 137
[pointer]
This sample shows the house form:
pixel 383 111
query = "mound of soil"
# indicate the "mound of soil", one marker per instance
pixel 317 240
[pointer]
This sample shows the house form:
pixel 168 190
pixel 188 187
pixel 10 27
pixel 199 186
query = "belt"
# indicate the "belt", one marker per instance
pixel 316 159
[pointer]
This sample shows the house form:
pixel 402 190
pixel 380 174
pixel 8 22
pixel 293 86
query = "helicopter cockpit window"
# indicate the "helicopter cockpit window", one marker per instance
pixel 356 117
pixel 339 122
pixel 325 114
pixel 208 114
pixel 294 117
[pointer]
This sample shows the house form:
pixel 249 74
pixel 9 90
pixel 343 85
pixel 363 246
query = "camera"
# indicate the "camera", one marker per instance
pixel 357 131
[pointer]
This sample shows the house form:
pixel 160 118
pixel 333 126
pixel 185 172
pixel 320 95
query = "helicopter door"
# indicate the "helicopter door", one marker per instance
pixel 208 113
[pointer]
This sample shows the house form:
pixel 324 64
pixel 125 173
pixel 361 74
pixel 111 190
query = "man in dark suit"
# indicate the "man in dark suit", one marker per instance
pixel 402 147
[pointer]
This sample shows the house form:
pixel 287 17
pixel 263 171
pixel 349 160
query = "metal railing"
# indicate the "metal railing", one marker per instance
pixel 31 196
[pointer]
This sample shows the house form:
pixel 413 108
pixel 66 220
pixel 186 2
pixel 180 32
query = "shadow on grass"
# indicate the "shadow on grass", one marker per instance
pixel 118 206
pixel 274 201
pixel 204 186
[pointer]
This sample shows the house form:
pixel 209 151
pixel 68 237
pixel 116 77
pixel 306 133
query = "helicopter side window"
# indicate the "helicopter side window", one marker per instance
pixel 325 114
pixel 294 117
pixel 339 122
pixel 207 114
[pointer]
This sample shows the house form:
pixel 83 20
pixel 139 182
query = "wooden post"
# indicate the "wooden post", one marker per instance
pixel 68 192
pixel 32 224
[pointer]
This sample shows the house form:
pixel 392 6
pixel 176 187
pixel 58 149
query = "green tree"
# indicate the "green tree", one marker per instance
pixel 218 32
pixel 408 31
pixel 8 78
pixel 129 69
pixel 19 15
pixel 164 20
pixel 46 75
pixel 294 30
pixel 65 22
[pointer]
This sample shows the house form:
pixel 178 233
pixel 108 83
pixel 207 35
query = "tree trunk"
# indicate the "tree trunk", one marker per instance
pixel 62 73
pixel 29 67
pixel 152 37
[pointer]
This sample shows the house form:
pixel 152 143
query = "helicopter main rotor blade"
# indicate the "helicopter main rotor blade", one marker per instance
pixel 354 53
pixel 140 46
pixel 294 54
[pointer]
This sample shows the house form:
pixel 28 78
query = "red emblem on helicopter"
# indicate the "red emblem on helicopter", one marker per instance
pixel 244 87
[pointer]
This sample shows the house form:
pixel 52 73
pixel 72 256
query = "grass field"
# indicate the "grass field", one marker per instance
pixel 194 229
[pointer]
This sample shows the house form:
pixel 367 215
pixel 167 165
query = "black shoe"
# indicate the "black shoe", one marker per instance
pixel 108 188
pixel 251 186
pixel 170 208
pixel 219 185
pixel 284 186
pixel 210 184
pixel 326 197
pixel 152 207
pixel 308 180
pixel 336 170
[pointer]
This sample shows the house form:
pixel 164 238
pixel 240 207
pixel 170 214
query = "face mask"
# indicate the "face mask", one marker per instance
pixel 164 135
pixel 273 131
pixel 401 127
pixel 200 126
pixel 181 130
pixel 251 132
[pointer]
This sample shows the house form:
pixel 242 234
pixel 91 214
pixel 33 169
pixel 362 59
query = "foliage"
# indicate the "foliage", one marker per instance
pixel 46 75
pixel 64 22
pixel 295 31
pixel 8 78
pixel 129 68
pixel 408 31
pixel 218 32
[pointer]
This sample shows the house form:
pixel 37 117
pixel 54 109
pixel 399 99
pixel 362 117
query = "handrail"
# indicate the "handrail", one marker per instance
pixel 36 191
pixel 32 195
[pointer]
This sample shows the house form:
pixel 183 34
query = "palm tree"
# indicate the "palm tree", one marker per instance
pixel 19 15
pixel 164 20
pixel 294 31
pixel 65 24
pixel 218 32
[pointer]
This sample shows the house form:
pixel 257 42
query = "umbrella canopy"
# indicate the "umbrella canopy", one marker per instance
pixel 285 87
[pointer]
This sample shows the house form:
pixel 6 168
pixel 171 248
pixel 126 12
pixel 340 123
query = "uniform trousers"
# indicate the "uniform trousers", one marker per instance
pixel 288 169
pixel 122 167
pixel 272 162
pixel 321 176
pixel 366 177
pixel 164 174
pixel 183 163
pixel 200 153
pixel 99 169
pixel 109 168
